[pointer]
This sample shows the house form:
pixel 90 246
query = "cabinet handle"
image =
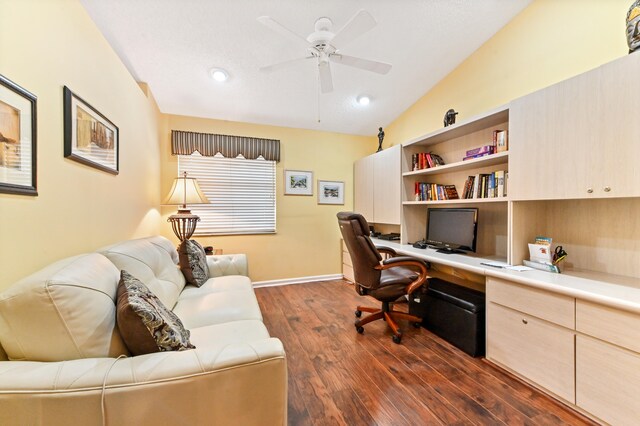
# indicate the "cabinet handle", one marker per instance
pixel 524 321
pixel 607 189
pixel 590 190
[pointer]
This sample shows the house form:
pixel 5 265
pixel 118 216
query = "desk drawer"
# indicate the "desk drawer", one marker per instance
pixel 609 324
pixel 537 350
pixel 347 272
pixel 555 308
pixel 346 258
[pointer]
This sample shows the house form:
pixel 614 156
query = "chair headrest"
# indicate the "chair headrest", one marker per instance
pixel 352 216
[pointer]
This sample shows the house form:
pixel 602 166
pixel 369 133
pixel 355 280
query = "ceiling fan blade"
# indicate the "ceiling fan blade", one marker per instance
pixel 365 64
pixel 326 82
pixel 282 30
pixel 359 24
pixel 284 64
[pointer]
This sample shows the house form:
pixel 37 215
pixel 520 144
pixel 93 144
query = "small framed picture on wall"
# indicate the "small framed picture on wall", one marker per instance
pixel 297 182
pixel 330 192
pixel 89 137
pixel 17 139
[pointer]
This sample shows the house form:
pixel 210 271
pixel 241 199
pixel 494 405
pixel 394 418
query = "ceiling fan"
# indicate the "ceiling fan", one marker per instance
pixel 323 45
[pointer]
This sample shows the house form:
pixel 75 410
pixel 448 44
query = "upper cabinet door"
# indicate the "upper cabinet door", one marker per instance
pixel 579 138
pixel 553 137
pixel 618 152
pixel 363 187
pixel 387 202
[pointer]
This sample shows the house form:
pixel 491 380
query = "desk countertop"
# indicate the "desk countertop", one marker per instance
pixel 612 290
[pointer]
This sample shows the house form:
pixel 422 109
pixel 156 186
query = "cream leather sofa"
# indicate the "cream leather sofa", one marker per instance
pixel 60 362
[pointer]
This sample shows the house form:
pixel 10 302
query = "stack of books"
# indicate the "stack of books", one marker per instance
pixel 486 185
pixel 425 160
pixel 479 152
pixel 432 192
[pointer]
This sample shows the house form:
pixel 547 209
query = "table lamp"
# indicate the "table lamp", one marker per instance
pixel 185 190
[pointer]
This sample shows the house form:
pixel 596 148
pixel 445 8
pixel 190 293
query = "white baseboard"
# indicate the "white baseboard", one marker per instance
pixel 301 280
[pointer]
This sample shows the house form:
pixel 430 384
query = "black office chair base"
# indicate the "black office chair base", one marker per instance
pixel 387 314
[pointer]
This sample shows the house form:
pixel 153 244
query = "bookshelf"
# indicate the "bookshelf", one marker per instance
pixel 452 143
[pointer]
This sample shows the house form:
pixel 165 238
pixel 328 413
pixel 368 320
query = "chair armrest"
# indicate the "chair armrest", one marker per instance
pixel 410 262
pixel 386 250
pixel 147 388
pixel 227 264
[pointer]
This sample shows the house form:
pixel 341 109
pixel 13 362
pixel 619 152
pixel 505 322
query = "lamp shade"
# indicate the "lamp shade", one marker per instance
pixel 185 190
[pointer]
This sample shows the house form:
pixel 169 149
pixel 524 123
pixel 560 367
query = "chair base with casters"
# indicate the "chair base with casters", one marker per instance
pixel 389 315
pixel 386 279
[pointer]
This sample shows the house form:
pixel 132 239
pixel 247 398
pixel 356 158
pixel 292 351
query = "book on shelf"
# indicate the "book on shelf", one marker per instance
pixel 486 185
pixel 425 160
pixel 471 157
pixel 425 191
pixel 481 150
pixel 502 140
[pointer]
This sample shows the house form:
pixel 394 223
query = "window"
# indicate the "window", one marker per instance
pixel 241 193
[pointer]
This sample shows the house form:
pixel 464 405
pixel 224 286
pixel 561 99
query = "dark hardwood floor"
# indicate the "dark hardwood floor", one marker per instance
pixel 337 376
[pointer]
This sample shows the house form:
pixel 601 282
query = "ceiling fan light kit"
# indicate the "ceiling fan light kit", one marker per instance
pixel 323 44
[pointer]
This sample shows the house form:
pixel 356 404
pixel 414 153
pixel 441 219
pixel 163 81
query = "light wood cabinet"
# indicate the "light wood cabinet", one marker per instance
pixel 520 339
pixel 347 264
pixel 539 351
pixel 578 138
pixel 377 186
pixel 363 187
pixel 607 381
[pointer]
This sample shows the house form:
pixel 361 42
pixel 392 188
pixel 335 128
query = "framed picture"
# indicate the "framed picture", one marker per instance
pixel 298 182
pixel 330 192
pixel 89 137
pixel 17 139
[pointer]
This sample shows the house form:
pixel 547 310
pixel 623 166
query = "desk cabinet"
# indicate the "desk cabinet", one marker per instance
pixel 529 338
pixel 347 265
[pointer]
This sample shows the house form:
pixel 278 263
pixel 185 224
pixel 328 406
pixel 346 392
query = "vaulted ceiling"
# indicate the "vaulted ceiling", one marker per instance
pixel 172 46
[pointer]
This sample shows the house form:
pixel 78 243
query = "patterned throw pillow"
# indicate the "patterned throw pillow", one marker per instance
pixel 193 262
pixel 145 324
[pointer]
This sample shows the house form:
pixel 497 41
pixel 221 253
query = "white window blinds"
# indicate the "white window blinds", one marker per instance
pixel 241 193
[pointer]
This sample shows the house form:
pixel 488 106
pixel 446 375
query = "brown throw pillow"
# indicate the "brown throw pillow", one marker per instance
pixel 193 262
pixel 145 324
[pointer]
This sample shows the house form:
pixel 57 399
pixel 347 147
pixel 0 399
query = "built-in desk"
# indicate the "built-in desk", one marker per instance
pixel 574 335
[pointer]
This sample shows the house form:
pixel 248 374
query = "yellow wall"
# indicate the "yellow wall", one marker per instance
pixel 307 238
pixel 45 45
pixel 551 40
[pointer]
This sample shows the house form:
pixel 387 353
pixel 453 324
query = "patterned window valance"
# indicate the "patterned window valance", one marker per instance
pixel 186 143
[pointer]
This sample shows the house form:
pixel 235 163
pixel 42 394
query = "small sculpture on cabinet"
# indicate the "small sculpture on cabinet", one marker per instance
pixel 450 118
pixel 633 26
pixel 380 139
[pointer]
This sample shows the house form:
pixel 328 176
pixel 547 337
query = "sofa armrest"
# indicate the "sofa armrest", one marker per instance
pixel 227 264
pixel 200 386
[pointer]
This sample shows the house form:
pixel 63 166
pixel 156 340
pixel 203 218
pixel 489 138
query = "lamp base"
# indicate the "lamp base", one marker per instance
pixel 183 224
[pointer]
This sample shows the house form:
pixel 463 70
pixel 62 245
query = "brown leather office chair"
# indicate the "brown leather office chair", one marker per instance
pixel 386 280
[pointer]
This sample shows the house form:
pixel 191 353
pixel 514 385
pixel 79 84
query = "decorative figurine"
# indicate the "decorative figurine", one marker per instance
pixel 633 23
pixel 380 139
pixel 450 116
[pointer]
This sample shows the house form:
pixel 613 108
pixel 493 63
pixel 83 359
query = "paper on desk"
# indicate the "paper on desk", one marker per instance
pixel 519 268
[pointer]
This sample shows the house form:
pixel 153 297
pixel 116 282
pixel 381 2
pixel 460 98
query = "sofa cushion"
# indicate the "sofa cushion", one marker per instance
pixel 150 262
pixel 217 285
pixel 193 262
pixel 217 308
pixel 146 325
pixel 218 336
pixel 65 311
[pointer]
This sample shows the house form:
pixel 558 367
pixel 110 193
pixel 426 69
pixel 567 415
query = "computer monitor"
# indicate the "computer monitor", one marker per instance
pixel 452 230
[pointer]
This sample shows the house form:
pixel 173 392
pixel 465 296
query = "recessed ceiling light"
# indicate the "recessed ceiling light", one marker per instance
pixel 218 74
pixel 363 100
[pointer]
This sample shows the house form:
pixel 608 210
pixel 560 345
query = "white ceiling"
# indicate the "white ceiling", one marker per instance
pixel 172 44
